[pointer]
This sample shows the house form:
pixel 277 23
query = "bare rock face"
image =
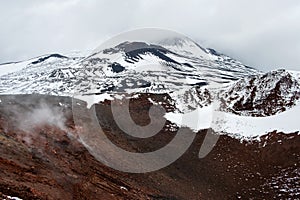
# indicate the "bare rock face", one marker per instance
pixel 47 161
pixel 261 95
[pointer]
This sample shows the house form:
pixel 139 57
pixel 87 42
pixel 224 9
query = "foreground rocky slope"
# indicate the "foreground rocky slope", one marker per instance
pixel 45 160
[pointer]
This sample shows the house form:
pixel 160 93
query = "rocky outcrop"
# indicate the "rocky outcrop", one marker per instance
pixel 261 95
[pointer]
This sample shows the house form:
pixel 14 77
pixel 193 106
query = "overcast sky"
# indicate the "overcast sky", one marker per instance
pixel 261 33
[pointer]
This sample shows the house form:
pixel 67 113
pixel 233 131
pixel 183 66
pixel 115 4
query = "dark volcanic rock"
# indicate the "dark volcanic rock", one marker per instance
pixel 116 67
pixel 47 57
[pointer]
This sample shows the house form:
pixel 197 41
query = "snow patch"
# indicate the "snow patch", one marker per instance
pixel 198 119
pixel 92 99
pixel 13 198
pixel 240 127
pixel 246 127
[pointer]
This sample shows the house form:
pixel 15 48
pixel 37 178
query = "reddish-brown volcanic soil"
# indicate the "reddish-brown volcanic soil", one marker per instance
pixel 45 162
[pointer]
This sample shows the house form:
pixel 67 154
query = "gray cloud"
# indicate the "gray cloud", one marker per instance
pixel 263 34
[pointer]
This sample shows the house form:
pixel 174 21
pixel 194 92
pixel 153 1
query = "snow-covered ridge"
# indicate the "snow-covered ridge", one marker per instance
pixel 12 67
pixel 251 107
pixel 127 67
pixel 49 74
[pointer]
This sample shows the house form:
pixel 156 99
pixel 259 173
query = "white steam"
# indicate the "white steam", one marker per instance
pixel 43 115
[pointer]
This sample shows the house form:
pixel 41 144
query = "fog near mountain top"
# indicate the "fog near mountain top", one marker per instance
pixel 262 34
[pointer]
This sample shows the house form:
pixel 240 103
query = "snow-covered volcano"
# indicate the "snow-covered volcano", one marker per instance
pixel 129 66
pixel 190 76
pixel 164 66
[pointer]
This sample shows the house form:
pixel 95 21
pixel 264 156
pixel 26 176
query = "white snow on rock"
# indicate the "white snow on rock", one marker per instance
pixel 198 119
pixel 93 99
pixel 240 127
pixel 13 198
pixel 247 127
